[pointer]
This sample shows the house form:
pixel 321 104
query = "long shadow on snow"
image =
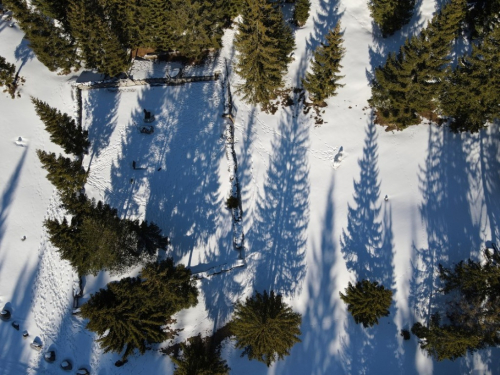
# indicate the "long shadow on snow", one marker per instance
pixel 367 247
pixel 320 350
pixel 8 193
pixel 282 211
pixel 451 192
pixel 184 196
pixel 99 117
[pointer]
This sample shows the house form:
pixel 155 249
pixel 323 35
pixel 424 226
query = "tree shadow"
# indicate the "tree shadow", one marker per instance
pixel 278 232
pixel 368 249
pixel 23 53
pixel 322 332
pixel 8 193
pixel 99 118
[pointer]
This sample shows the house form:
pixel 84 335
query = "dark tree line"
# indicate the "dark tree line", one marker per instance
pixel 419 80
pixel 99 33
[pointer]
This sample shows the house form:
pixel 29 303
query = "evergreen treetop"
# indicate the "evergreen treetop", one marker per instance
pixel 367 301
pixel 301 12
pixel 323 81
pixel 265 327
pixel 391 15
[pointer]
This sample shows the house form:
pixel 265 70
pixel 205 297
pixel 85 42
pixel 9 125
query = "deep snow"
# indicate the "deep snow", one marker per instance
pixel 314 216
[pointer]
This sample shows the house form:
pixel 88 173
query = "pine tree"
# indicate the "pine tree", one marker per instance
pixel 8 76
pixel 150 238
pixel 322 82
pixel 445 342
pixel 367 302
pixel 265 327
pixel 470 95
pixel 7 72
pixel 54 47
pixel 129 315
pixel 301 12
pixel 98 43
pixel 199 357
pixel 391 15
pixel 264 43
pixel 66 175
pixel 63 129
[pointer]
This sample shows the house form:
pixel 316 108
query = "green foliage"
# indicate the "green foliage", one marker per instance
pixel 200 357
pixel 322 82
pixel 52 45
pixel 66 175
pixel 133 312
pixel 120 243
pixel 264 43
pixel 446 341
pixel 7 72
pixel 470 95
pixel 62 128
pixel 410 82
pixel 265 327
pixel 98 43
pixel 301 12
pixel 367 302
pixel 391 15
pixel 482 16
pixel 232 202
pixel 8 76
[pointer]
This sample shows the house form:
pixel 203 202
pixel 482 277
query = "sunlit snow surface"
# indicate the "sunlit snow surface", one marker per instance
pixel 313 210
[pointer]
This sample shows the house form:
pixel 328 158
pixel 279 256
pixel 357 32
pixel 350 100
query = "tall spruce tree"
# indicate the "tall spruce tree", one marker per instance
pixel 97 41
pixel 264 43
pixel 130 314
pixel 367 301
pixel 470 95
pixel 391 15
pixel 265 327
pixel 409 83
pixel 199 357
pixel 323 81
pixel 301 12
pixel 66 175
pixel 63 129
pixel 52 45
pixel 8 76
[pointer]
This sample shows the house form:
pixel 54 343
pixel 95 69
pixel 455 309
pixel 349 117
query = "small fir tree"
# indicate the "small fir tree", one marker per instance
pixel 63 129
pixel 133 313
pixel 264 43
pixel 265 327
pixel 301 12
pixel 323 81
pixel 367 301
pixel 391 15
pixel 199 357
pixel 66 175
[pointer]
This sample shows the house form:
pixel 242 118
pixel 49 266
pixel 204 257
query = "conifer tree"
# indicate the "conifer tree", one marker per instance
pixel 67 176
pixel 63 129
pixel 470 95
pixel 301 12
pixel 8 76
pixel 98 43
pixel 199 357
pixel 367 302
pixel 445 341
pixel 322 82
pixel 264 44
pixel 52 45
pixel 391 15
pixel 129 314
pixel 265 327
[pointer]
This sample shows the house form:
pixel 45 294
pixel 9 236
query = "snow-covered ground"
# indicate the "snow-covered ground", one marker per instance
pixel 314 214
